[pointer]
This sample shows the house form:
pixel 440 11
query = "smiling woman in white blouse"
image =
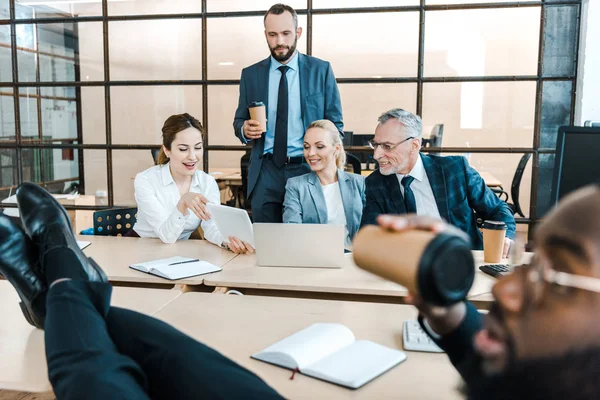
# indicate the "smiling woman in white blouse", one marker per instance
pixel 172 195
pixel 327 195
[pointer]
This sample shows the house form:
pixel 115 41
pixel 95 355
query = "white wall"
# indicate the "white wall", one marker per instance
pixel 587 102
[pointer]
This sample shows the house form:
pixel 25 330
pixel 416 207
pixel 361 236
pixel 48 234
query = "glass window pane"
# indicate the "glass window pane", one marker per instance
pixel 560 40
pixel 55 167
pixel 53 9
pixel 126 165
pixel 432 2
pixel 363 3
pixel 222 102
pixel 26 53
pixel 57 45
pixel 371 51
pixel 363 103
pixel 91 51
pixel 503 167
pixel 4 9
pixel 482 42
pixel 8 171
pixel 156 49
pixel 154 7
pixel 556 110
pixel 7 116
pixel 229 54
pixel 93 120
pixel 245 5
pixel 29 113
pixel 5 54
pixel 94 170
pixel 481 114
pixel 139 112
pixel 59 113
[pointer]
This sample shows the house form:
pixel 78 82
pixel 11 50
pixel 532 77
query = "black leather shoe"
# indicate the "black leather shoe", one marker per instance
pixel 48 225
pixel 18 260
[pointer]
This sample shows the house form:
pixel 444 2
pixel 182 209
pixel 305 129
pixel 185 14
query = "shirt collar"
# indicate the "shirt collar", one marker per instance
pixel 293 64
pixel 167 178
pixel 417 171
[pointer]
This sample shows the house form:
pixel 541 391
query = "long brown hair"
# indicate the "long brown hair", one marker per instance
pixel 172 126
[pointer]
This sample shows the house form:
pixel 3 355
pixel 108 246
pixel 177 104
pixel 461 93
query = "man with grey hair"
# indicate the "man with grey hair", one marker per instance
pixel 409 182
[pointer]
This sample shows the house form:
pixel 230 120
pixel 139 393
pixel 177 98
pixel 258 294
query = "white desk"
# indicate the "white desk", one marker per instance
pixel 115 254
pixel 22 353
pixel 242 272
pixel 238 326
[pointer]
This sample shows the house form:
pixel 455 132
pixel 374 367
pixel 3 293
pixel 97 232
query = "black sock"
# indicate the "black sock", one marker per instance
pixel 61 262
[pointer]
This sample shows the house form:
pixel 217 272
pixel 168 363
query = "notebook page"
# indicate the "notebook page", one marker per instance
pixel 355 364
pixel 307 346
pixel 180 271
pixel 146 266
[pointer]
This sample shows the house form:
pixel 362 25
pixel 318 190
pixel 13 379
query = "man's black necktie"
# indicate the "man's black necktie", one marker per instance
pixel 281 124
pixel 409 197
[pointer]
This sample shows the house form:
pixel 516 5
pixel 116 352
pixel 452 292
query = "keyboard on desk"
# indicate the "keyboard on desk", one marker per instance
pixel 496 270
pixel 415 339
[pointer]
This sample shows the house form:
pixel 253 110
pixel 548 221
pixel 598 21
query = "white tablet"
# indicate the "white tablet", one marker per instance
pixel 232 222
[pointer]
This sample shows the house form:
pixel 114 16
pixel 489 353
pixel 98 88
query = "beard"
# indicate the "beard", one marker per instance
pixel 288 54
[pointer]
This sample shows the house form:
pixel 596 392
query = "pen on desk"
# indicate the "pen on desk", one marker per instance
pixel 184 262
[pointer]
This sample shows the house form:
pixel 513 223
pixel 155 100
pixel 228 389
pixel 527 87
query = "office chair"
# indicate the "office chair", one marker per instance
pixel 154 153
pixel 515 187
pixel 114 222
pixel 354 162
pixel 435 139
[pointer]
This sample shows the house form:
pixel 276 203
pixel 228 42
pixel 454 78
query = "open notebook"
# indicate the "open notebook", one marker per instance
pixel 176 267
pixel 331 353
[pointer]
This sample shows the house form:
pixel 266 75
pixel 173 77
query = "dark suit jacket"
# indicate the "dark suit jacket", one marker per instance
pixel 458 190
pixel 319 97
pixel 458 345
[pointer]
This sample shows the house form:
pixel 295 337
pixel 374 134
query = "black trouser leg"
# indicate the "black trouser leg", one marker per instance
pixel 83 361
pixel 269 191
pixel 179 367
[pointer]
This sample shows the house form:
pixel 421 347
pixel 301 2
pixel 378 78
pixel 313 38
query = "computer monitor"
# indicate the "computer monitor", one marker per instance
pixel 348 137
pixel 363 140
pixel 576 163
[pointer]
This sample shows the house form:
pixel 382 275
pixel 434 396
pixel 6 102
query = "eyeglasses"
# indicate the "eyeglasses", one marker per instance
pixel 387 146
pixel 538 275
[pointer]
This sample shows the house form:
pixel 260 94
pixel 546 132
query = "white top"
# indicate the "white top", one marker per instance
pixel 421 188
pixel 335 208
pixel 157 196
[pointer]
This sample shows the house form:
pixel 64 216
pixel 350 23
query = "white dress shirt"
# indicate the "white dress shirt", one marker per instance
pixel 335 209
pixel 421 188
pixel 157 196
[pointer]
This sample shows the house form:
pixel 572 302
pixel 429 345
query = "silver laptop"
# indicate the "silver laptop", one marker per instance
pixel 299 245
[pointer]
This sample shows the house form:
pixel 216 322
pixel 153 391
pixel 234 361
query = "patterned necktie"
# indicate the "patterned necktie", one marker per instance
pixel 409 197
pixel 281 124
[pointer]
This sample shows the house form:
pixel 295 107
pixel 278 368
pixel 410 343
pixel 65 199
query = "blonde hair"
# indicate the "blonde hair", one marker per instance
pixel 334 135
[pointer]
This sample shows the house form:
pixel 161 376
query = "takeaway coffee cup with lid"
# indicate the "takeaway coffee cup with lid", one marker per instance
pixel 494 233
pixel 258 112
pixel 439 267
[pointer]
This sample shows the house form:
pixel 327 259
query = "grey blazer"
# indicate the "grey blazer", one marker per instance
pixel 305 203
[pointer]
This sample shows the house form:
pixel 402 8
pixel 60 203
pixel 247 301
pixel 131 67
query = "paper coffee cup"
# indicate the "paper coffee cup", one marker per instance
pixel 258 112
pixel 437 266
pixel 494 233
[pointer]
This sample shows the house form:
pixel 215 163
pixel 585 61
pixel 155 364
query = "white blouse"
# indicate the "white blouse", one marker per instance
pixel 157 196
pixel 335 209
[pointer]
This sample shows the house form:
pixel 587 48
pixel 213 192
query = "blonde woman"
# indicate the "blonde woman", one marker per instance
pixel 327 195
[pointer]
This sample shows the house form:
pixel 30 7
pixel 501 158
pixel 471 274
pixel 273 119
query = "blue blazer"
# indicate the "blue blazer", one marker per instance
pixel 305 203
pixel 458 190
pixel 319 97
